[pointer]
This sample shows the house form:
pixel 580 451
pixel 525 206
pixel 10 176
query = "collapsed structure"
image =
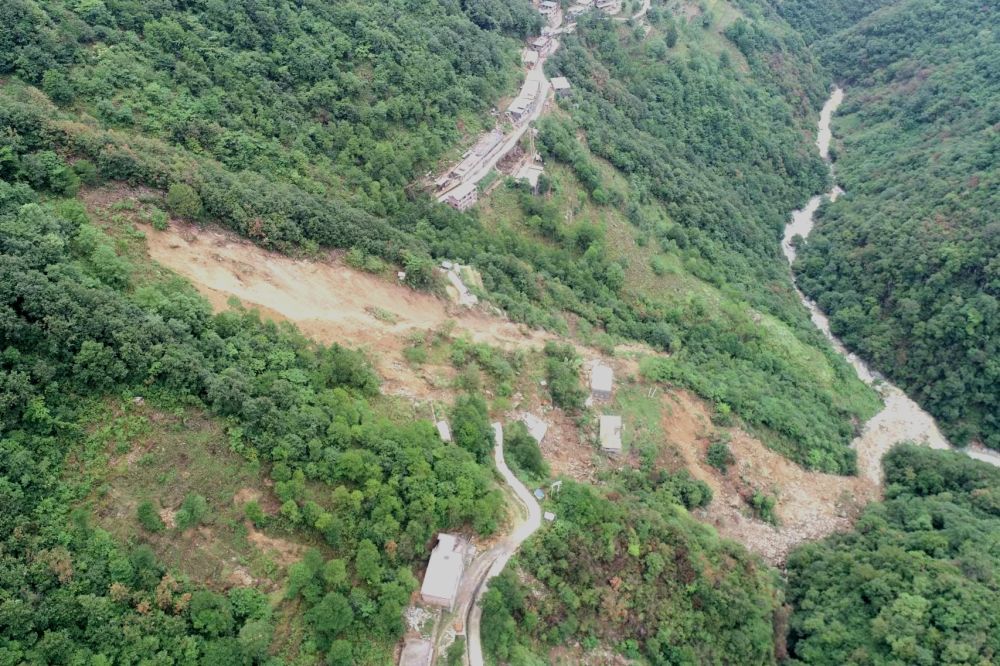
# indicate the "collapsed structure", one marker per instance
pixel 416 652
pixel 530 174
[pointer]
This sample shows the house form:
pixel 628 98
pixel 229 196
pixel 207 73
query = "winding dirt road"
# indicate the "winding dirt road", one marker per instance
pixel 639 14
pixel 499 554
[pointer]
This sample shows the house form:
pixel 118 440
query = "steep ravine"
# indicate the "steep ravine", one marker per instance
pixel 901 419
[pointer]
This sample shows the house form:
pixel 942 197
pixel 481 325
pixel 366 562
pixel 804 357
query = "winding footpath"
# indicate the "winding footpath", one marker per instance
pixel 503 552
pixel 638 15
pixel 901 418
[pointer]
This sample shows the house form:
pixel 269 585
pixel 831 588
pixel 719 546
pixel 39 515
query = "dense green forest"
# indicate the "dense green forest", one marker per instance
pixel 310 124
pixel 75 328
pixel 915 582
pixel 906 263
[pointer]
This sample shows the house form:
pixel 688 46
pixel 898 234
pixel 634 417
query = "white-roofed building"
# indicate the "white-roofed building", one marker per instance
pixel 561 85
pixel 444 430
pixel 444 571
pixel 462 197
pixel 611 434
pixel 602 381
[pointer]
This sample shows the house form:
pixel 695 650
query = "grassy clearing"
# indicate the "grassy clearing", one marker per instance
pixel 165 454
pixel 641 416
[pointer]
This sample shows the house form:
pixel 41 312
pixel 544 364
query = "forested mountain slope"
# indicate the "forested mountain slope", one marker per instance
pixel 908 261
pixel 708 156
pixel 628 567
pixel 258 119
pixel 308 125
pixel 350 99
pixel 77 327
pixel 916 581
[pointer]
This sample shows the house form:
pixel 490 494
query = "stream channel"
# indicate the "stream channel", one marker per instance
pixel 901 419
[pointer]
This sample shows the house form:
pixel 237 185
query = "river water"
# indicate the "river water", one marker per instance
pixel 901 418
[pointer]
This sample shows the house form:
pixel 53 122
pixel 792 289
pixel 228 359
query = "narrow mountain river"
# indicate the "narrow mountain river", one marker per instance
pixel 901 418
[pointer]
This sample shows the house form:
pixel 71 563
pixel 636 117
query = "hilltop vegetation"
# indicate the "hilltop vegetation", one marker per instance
pixel 629 568
pixel 251 119
pixel 906 262
pixel 707 161
pixel 916 580
pixel 307 125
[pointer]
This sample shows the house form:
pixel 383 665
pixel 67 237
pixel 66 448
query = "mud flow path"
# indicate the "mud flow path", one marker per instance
pixel 901 419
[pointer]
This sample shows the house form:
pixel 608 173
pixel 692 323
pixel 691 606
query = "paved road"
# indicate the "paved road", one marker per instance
pixel 504 551
pixel 512 137
pixel 538 73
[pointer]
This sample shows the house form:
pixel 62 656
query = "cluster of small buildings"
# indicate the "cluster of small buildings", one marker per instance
pixel 471 159
pixel 602 380
pixel 580 7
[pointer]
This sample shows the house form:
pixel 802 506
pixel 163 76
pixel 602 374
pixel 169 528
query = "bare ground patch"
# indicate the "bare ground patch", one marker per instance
pixel 284 552
pixel 164 456
pixel 331 302
pixel 810 505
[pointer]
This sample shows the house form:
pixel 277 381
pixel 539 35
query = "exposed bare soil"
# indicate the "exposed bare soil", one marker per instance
pixel 284 552
pixel 327 300
pixel 810 505
pixel 567 451
pixel 332 302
